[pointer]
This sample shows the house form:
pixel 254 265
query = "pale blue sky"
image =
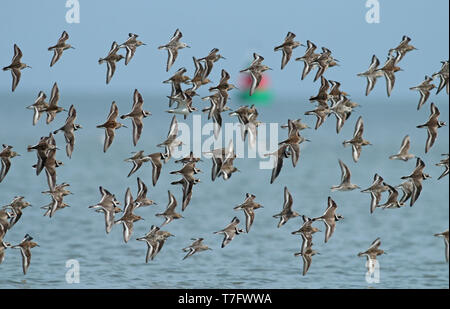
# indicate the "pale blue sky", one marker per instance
pixel 237 28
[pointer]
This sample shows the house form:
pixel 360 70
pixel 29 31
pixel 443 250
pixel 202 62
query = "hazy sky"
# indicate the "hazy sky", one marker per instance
pixel 237 28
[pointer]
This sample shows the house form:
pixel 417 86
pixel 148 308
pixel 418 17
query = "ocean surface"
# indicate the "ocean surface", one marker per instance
pixel 264 258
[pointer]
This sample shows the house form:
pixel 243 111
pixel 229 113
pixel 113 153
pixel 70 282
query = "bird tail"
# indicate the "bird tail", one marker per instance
pixel 101 60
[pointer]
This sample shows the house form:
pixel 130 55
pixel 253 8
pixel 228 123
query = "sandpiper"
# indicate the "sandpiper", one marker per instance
pixel 128 217
pixel 56 204
pixel 155 239
pixel 403 153
pixel 169 214
pixel 110 126
pixel 3 246
pixel 306 232
pixel 299 125
pixel 280 154
pixel 111 60
pixel 136 115
pixel 188 171
pixel 5 224
pixel 53 108
pixel 444 163
pixel 432 125
pixel 60 189
pixel 287 212
pixel 321 113
pixel 141 198
pixel 443 77
pixel 307 258
pixel 25 247
pixel 45 144
pixel 196 246
pixel 108 205
pixel 187 189
pixel 324 61
pixel 249 206
pixel 306 229
pixel 161 237
pixel 342 109
pixel 346 184
pixel 155 159
pixel 424 89
pixel 215 110
pixel 255 70
pixel 184 101
pixel 329 218
pixel 230 231
pixel 218 156
pixel 138 159
pixel 68 128
pixel 293 141
pixel 17 205
pixel 60 47
pixel 189 159
pixel 443 234
pixel 223 87
pixel 16 66
pixel 288 45
pixel 372 74
pixel 357 141
pixel 209 60
pixel 172 48
pixel 417 176
pixel 171 141
pixel 309 58
pixel 322 97
pixel 5 156
pixel 372 253
pixel 39 106
pixel 392 201
pixel 176 80
pixel 336 93
pixel 57 195
pixel 200 74
pixel 130 45
pixel 248 122
pixel 407 188
pixel 388 70
pixel 227 168
pixel 224 164
pixel 403 48
pixel 50 165
pixel 375 191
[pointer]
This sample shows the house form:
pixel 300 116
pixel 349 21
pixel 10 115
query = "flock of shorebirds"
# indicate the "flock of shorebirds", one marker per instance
pixel 330 100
